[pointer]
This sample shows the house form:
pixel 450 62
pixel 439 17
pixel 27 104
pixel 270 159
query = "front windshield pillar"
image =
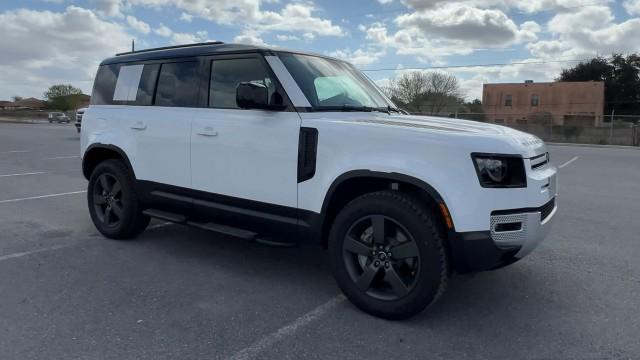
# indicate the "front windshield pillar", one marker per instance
pixel 289 85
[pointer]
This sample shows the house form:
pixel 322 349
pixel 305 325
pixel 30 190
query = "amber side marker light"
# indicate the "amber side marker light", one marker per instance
pixel 446 216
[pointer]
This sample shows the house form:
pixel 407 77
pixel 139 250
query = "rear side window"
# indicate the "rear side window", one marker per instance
pixel 105 84
pixel 227 74
pixel 119 84
pixel 178 85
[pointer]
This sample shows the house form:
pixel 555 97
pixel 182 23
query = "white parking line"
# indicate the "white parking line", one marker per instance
pixel 24 174
pixel 569 162
pixel 258 347
pixel 15 151
pixel 42 196
pixel 62 157
pixel 27 253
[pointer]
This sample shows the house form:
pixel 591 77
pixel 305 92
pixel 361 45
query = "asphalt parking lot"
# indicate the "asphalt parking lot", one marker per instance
pixel 181 293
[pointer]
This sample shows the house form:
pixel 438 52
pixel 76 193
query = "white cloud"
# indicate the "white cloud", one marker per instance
pixel 163 31
pixel 293 17
pixel 433 33
pixel 587 32
pixel 287 37
pixel 250 38
pixel 138 25
pixel 41 48
pixel 359 57
pixel 463 23
pixel 186 17
pixel 108 7
pixel 632 7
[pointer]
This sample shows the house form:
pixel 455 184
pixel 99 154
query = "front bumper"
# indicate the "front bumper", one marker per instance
pixel 513 234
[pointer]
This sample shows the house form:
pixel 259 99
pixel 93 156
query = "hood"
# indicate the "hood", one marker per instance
pixel 523 143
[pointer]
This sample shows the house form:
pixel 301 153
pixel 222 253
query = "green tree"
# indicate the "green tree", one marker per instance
pixel 63 97
pixel 621 75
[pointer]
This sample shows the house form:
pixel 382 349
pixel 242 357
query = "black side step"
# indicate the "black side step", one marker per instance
pixel 164 215
pixel 226 230
pixel 220 229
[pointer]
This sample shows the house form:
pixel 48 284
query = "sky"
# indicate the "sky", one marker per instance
pixel 46 42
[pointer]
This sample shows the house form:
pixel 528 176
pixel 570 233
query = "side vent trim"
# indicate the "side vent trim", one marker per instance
pixel 307 153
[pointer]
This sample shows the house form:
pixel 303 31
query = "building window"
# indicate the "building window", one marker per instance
pixel 535 100
pixel 508 100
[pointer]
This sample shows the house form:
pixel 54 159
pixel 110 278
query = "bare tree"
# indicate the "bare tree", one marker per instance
pixel 16 98
pixel 421 91
pixel 444 89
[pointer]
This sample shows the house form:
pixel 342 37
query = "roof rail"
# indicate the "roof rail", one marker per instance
pixel 171 47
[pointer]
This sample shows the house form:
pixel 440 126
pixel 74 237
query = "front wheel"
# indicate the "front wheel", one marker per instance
pixel 387 255
pixel 113 204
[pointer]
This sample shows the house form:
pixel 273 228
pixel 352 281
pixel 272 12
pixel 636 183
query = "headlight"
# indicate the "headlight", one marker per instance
pixel 496 170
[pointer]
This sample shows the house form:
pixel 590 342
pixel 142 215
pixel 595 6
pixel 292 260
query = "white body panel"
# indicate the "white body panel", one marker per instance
pixel 156 139
pixel 437 152
pixel 249 154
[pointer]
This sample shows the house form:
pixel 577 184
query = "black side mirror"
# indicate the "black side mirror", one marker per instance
pixel 252 95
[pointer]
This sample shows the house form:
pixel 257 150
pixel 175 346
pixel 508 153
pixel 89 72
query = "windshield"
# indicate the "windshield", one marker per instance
pixel 332 84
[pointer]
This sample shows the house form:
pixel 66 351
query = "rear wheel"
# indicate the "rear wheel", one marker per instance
pixel 387 255
pixel 113 204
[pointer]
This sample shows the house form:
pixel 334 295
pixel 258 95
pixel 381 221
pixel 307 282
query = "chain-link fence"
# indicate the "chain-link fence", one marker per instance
pixel 607 130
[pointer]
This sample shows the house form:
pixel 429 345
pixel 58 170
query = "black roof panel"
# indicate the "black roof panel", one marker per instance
pixel 183 51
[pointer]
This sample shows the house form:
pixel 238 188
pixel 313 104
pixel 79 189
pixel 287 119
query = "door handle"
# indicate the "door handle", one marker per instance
pixel 207 131
pixel 139 125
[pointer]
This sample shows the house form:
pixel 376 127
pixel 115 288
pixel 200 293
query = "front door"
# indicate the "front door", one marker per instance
pixel 244 161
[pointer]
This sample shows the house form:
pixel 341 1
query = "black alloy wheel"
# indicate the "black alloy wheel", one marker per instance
pixel 107 200
pixel 381 257
pixel 387 252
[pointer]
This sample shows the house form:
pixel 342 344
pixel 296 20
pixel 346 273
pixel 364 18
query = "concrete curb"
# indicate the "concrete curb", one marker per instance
pixel 15 121
pixel 595 145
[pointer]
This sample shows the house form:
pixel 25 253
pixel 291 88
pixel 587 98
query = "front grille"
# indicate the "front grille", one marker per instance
pixel 547 208
pixel 539 161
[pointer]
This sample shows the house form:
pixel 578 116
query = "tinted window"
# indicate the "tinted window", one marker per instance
pixel 508 100
pixel 133 87
pixel 178 84
pixel 144 95
pixel 105 84
pixel 227 74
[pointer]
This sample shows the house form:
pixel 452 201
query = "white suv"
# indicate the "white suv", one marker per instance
pixel 286 147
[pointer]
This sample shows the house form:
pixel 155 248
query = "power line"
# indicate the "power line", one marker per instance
pixel 477 65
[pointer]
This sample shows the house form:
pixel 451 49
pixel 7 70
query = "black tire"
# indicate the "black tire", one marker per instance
pixel 379 282
pixel 113 203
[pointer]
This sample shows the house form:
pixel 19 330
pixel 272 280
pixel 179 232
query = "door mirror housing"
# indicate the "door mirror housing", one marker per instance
pixel 253 95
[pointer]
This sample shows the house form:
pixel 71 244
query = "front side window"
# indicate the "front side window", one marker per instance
pixel 330 84
pixel 227 74
pixel 178 85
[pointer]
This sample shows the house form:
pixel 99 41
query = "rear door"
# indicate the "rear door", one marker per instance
pixel 162 130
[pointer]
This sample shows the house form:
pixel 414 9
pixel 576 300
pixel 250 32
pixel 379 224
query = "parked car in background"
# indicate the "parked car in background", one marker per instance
pixel 59 117
pixel 79 114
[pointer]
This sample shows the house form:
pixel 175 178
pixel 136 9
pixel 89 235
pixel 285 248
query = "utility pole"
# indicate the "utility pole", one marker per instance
pixel 133 45
pixel 613 112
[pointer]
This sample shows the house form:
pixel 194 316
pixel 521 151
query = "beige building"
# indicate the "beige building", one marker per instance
pixel 560 103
